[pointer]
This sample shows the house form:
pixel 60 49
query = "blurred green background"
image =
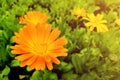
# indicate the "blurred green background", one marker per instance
pixel 91 55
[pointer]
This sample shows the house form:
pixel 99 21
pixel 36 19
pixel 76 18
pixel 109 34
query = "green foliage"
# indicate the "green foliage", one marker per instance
pixel 64 66
pixel 39 75
pixel 86 60
pixel 109 42
pixel 69 76
pixel 4 73
pixel 79 39
pixel 15 63
pixel 90 76
pixel 3 48
pixel 91 55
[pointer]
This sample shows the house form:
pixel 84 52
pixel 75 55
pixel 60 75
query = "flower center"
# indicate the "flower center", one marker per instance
pixel 96 22
pixel 39 49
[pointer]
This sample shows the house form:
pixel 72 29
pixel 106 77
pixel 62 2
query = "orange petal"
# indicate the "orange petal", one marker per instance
pixel 31 60
pixel 33 17
pixel 47 58
pixel 33 65
pixel 58 50
pixel 43 33
pixel 58 54
pixel 40 64
pixel 23 64
pixel 49 65
pixel 47 32
pixel 17 51
pixel 54 34
pixel 24 56
pixel 55 60
pixel 28 61
pixel 40 32
pixel 23 48
pixel 59 42
pixel 32 32
pixel 14 47
pixel 28 34
pixel 52 47
pixel 24 36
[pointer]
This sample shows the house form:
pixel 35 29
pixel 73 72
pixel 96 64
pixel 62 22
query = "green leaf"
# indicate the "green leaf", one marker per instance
pixel 5 71
pixel 3 55
pixel 69 76
pixel 87 59
pixel 77 63
pixel 44 75
pixel 15 63
pixel 48 75
pixel 89 76
pixel 65 66
pixel 37 75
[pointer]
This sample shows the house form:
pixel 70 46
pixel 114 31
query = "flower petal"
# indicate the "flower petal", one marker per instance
pixel 24 56
pixel 40 63
pixel 54 34
pixel 59 42
pixel 55 60
pixel 49 65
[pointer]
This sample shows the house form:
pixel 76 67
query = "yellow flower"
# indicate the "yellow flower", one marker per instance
pixel 79 12
pixel 96 22
pixel 117 21
pixel 33 17
pixel 39 46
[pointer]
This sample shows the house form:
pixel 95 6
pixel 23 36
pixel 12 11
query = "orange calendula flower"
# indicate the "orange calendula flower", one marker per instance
pixel 39 46
pixel 96 22
pixel 33 17
pixel 79 12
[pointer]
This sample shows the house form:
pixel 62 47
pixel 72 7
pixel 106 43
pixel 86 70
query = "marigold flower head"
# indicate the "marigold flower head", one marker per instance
pixel 39 46
pixel 33 17
pixel 117 21
pixel 96 22
pixel 79 12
